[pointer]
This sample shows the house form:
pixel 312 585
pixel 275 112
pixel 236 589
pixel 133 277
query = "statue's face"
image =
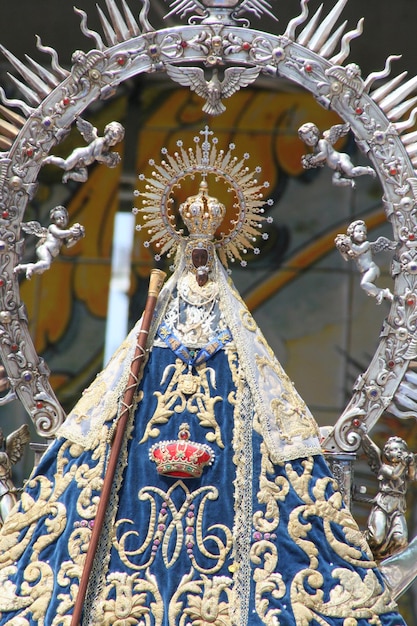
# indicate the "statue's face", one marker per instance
pixel 199 257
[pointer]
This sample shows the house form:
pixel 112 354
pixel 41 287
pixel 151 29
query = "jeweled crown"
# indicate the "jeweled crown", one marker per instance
pixel 202 214
pixel 181 458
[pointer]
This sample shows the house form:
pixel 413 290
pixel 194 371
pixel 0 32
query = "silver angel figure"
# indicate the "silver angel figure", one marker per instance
pixel 98 149
pixel 325 154
pixel 51 240
pixel 11 451
pixel 395 466
pixel 355 246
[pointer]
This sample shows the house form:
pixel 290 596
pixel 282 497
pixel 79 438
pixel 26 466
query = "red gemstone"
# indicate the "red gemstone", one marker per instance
pixel 393 171
pixel 356 423
pixel 184 44
pixel 410 301
pixel 359 111
pixel 1 282
pixel 66 102
pixel 5 214
pixel 391 364
pixel 14 347
pixel 121 60
pixel 246 46
pixel 411 236
pixel 39 405
pixel 29 152
pixel 309 68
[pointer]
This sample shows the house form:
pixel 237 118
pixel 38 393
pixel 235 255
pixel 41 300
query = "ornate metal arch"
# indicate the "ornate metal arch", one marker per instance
pixel 310 52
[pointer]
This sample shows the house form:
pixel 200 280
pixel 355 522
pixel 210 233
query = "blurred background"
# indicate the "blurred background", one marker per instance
pixel 305 297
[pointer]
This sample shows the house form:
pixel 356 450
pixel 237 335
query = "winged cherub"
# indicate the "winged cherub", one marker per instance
pixel 395 466
pixel 11 451
pixel 51 240
pixel 355 245
pixel 325 154
pixel 98 149
pixel 213 90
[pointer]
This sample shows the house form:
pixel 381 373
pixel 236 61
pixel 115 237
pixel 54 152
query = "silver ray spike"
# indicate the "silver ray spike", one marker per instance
pixel 380 93
pixel 11 116
pixel 8 130
pixel 332 42
pixel 132 24
pixel 182 7
pixel 143 17
pixel 409 138
pixel 108 31
pixel 257 7
pixel 397 112
pixel 323 31
pixel 409 123
pixel 297 21
pixel 50 79
pixel 118 22
pixel 373 76
pixel 92 34
pixel 345 49
pixel 398 94
pixel 59 71
pixel 31 96
pixel 310 28
pixel 412 150
pixel 30 77
pixel 5 144
pixel 16 103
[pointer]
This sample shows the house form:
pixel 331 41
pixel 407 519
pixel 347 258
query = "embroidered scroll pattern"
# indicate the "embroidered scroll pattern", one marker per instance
pixel 352 597
pixel 186 391
pixel 40 575
pixel 205 602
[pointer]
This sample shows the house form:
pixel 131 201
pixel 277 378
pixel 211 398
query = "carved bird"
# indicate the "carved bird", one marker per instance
pixel 213 90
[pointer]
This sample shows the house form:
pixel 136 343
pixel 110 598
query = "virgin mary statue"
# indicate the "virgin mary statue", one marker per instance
pixel 222 510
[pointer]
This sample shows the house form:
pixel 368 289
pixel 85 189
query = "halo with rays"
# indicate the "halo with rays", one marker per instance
pixel 160 219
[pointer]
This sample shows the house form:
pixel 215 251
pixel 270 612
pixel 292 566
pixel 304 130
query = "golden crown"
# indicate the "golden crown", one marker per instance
pixel 202 214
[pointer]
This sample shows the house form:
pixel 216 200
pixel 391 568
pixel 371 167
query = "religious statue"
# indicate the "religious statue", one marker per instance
pixel 98 149
pixel 220 508
pixel 324 153
pixel 395 467
pixel 355 246
pixel 11 450
pixel 51 240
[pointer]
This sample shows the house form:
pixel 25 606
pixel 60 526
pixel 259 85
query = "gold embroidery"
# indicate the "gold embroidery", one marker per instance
pixel 352 597
pixel 176 399
pixel 203 604
pixel 132 604
pixel 173 529
pixel 37 586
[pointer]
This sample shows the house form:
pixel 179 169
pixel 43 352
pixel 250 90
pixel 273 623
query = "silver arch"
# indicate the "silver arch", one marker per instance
pixel 311 52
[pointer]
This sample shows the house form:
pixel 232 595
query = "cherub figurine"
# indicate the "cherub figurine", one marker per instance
pixel 324 153
pixel 355 245
pixel 11 450
pixel 51 240
pixel 395 466
pixel 98 149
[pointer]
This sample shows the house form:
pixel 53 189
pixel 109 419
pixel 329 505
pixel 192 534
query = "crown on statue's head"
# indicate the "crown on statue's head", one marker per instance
pixel 202 214
pixel 181 458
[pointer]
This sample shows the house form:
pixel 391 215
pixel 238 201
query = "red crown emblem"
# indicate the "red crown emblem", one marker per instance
pixel 181 458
